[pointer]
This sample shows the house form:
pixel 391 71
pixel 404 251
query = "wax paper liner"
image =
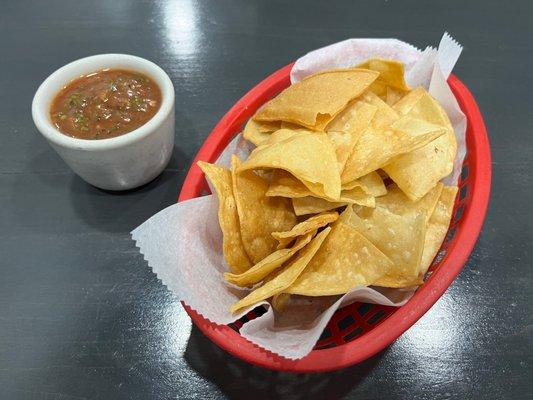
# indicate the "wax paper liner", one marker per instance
pixel 183 243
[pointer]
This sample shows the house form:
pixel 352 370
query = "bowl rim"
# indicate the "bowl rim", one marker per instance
pixel 40 107
pixel 404 317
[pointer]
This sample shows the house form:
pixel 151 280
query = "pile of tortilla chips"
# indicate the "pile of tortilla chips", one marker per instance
pixel 343 189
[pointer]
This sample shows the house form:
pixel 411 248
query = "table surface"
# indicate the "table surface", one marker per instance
pixel 83 317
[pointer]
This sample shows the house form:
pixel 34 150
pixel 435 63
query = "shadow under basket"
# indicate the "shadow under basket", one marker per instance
pixel 360 330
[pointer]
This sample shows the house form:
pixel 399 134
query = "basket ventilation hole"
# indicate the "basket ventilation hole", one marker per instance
pixel 450 234
pixel 440 255
pixel 376 317
pixel 463 193
pixel 464 172
pixel 346 322
pixel 459 213
pixel 353 334
pixel 364 309
pixel 325 334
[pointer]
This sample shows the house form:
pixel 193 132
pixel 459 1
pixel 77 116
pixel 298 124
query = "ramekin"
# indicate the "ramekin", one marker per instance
pixel 119 163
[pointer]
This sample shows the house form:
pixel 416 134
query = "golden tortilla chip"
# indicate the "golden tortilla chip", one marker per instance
pixel 259 215
pixel 376 148
pixel 232 245
pixel 393 96
pixel 283 133
pixel 315 205
pixel 407 102
pixel 385 115
pixel 308 157
pixel 286 276
pixel 270 263
pixel 342 143
pixel 399 237
pixel 438 226
pixel 344 261
pixel 391 74
pixel 346 128
pixel 285 184
pixel 317 99
pixel 355 117
pixel 357 195
pixel 397 281
pixel 309 225
pixel 259 132
pixel 397 202
pixel 291 126
pixel 371 183
pixel 418 171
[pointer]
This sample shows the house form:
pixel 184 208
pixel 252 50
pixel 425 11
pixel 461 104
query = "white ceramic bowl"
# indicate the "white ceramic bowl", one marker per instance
pixel 122 162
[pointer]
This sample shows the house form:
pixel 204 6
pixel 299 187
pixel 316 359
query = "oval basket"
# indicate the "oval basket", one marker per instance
pixel 359 330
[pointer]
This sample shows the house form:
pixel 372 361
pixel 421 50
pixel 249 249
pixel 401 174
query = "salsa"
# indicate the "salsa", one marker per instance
pixel 105 104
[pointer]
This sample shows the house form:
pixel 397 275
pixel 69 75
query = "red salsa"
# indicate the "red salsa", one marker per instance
pixel 105 104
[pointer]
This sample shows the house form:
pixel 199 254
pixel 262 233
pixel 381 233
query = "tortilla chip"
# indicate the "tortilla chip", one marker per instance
pixel 385 115
pixel 283 133
pixel 345 260
pixel 342 143
pixel 270 263
pixel 371 183
pixel 285 185
pixel 418 171
pixel 393 96
pixel 357 196
pixel 376 148
pixel 397 281
pixel 259 132
pixel 355 117
pixel 309 225
pixel 438 226
pixel 317 99
pixel 391 74
pixel 398 203
pixel 308 157
pixel 346 128
pixel 286 276
pixel 313 205
pixel 399 237
pixel 289 125
pixel 232 245
pixel 259 215
pixel 407 102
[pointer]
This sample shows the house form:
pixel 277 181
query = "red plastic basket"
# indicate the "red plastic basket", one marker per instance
pixel 359 330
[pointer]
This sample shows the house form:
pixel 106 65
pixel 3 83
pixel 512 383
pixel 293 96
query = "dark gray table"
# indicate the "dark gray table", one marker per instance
pixel 81 315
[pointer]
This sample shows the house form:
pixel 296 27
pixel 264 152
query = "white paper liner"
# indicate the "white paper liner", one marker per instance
pixel 183 243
